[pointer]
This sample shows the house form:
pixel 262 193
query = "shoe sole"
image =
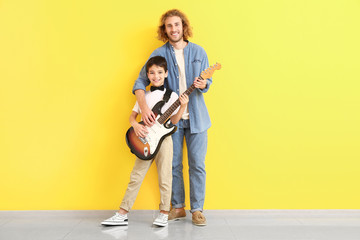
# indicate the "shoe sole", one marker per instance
pixel 199 224
pixel 176 219
pixel 160 224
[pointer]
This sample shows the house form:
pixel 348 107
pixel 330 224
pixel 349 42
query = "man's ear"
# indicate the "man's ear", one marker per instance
pixel 166 74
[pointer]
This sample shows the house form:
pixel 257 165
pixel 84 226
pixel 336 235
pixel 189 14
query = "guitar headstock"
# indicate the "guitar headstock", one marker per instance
pixel 207 73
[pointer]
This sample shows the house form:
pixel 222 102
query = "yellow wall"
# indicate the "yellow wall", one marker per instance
pixel 285 106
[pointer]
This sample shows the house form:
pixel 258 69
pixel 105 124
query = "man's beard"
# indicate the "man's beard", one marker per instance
pixel 176 40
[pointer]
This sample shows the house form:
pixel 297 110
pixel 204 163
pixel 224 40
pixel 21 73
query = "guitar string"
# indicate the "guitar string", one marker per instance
pixel 163 118
pixel 175 105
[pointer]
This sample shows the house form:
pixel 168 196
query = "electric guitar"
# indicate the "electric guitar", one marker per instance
pixel 146 148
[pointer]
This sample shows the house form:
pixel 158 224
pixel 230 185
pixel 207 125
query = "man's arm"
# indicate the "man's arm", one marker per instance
pixel 147 115
pixel 139 90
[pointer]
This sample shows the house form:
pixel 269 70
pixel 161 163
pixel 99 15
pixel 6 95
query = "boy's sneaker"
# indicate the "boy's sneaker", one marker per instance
pixel 116 220
pixel 161 220
pixel 176 215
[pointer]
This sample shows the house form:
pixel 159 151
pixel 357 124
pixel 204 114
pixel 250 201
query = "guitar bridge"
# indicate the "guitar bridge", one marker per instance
pixel 143 140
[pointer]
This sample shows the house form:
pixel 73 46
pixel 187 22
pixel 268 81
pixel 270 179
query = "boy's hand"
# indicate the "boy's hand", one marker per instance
pixel 200 83
pixel 184 99
pixel 140 130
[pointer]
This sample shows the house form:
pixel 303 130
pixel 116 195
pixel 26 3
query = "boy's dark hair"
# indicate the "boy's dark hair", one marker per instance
pixel 158 61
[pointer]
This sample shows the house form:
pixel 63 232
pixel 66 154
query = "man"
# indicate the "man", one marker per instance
pixel 186 61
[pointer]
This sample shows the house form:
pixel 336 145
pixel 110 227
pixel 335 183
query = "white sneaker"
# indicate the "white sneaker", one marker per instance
pixel 116 220
pixel 161 220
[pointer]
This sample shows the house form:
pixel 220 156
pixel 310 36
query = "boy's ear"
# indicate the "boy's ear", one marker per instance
pixel 166 73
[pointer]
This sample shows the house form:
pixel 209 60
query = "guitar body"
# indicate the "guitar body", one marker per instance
pixel 146 148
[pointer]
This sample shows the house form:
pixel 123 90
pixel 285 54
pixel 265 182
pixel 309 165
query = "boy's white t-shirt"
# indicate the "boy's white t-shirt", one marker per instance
pixel 154 97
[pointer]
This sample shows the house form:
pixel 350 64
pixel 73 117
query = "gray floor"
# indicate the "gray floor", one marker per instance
pixel 222 224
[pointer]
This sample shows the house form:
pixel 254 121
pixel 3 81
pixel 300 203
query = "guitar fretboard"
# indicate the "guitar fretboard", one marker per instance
pixel 163 118
pixel 206 74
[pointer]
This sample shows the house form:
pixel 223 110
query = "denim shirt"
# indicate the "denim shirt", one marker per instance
pixel 196 61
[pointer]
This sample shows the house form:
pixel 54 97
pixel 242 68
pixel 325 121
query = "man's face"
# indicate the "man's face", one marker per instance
pixel 174 29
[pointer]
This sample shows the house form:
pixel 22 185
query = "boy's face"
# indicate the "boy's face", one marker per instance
pixel 157 75
pixel 174 29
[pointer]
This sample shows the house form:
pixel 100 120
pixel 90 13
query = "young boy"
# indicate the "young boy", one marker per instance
pixel 156 70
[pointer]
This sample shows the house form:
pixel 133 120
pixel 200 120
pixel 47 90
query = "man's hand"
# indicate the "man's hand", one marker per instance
pixel 200 83
pixel 148 116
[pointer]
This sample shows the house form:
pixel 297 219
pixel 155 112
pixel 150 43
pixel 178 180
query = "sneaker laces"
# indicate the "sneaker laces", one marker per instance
pixel 117 215
pixel 162 217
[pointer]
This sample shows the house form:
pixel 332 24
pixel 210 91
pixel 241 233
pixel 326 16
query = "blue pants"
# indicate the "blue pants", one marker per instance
pixel 197 147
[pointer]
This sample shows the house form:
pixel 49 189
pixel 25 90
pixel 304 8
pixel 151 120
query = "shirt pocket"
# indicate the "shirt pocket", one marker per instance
pixel 196 67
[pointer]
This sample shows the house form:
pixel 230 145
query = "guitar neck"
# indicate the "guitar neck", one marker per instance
pixel 174 106
pixel 206 74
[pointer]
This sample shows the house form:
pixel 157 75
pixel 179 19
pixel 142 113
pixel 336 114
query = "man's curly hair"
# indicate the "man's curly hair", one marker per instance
pixel 185 22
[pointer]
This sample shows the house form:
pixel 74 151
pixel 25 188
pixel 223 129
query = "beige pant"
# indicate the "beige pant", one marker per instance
pixel 163 160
